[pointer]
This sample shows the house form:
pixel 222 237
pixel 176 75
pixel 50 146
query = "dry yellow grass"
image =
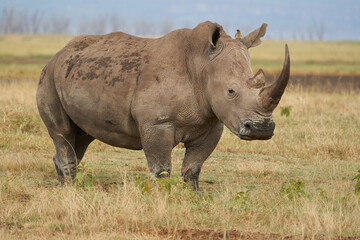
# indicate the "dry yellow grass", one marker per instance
pixel 247 185
pixel 24 56
pixel 308 57
pixel 318 145
pixel 27 46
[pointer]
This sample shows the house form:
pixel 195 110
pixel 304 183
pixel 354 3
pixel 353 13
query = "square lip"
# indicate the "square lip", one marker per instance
pixel 248 138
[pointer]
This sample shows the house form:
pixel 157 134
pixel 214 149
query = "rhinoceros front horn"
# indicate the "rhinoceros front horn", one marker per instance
pixel 271 95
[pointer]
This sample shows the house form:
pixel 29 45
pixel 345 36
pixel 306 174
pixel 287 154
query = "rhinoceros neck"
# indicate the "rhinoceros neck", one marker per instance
pixel 170 74
pixel 181 57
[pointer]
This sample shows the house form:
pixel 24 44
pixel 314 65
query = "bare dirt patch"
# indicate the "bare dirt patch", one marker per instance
pixel 214 234
pixel 217 234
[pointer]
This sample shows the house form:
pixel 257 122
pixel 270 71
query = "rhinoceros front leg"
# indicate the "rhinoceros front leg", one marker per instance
pixel 196 154
pixel 157 142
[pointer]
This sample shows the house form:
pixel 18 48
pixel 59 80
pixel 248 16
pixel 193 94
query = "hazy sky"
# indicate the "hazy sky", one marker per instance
pixel 286 18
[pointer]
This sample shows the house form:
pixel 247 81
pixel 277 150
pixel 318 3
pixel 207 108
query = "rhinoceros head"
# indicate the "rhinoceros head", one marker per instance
pixel 236 96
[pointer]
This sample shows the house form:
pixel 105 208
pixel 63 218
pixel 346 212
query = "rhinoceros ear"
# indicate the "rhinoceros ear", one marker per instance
pixel 214 34
pixel 253 38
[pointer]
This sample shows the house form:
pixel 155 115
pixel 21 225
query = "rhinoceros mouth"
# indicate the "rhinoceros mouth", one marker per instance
pixel 256 129
pixel 245 137
pixel 258 137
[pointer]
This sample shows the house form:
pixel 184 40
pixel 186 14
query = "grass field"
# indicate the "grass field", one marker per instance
pixel 297 185
pixel 25 55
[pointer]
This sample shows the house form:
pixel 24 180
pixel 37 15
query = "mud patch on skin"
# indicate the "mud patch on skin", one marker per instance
pixel 116 79
pixel 109 122
pixel 130 62
pixel 129 65
pixel 79 73
pixel 94 65
pixel 71 62
pixel 135 54
pixel 80 46
pixel 90 76
pixel 104 62
pixel 97 63
pixel 90 60
pixel 146 59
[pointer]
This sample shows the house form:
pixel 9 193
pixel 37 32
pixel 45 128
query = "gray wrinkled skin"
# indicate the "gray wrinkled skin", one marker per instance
pixel 152 94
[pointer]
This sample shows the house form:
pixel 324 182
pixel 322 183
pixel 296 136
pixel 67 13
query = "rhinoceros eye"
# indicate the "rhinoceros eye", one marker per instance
pixel 231 91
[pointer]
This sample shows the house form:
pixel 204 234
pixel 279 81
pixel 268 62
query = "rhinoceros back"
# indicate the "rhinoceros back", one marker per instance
pixel 95 79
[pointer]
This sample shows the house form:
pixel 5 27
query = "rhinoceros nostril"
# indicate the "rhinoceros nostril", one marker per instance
pixel 247 126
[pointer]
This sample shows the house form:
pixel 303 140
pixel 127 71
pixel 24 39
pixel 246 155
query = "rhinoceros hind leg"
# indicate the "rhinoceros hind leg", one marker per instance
pixel 65 158
pixel 82 141
pixel 70 149
pixel 196 154
pixel 61 128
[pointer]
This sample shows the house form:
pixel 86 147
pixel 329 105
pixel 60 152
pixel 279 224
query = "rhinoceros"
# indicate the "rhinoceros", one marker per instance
pixel 154 93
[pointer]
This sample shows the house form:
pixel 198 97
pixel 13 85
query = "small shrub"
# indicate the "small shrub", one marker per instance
pixel 84 176
pixel 285 110
pixel 241 200
pixel 164 184
pixel 292 190
pixel 323 195
pixel 357 185
pixel 144 184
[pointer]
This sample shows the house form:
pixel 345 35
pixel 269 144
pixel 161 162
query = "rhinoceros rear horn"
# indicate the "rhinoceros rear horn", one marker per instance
pixel 271 95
